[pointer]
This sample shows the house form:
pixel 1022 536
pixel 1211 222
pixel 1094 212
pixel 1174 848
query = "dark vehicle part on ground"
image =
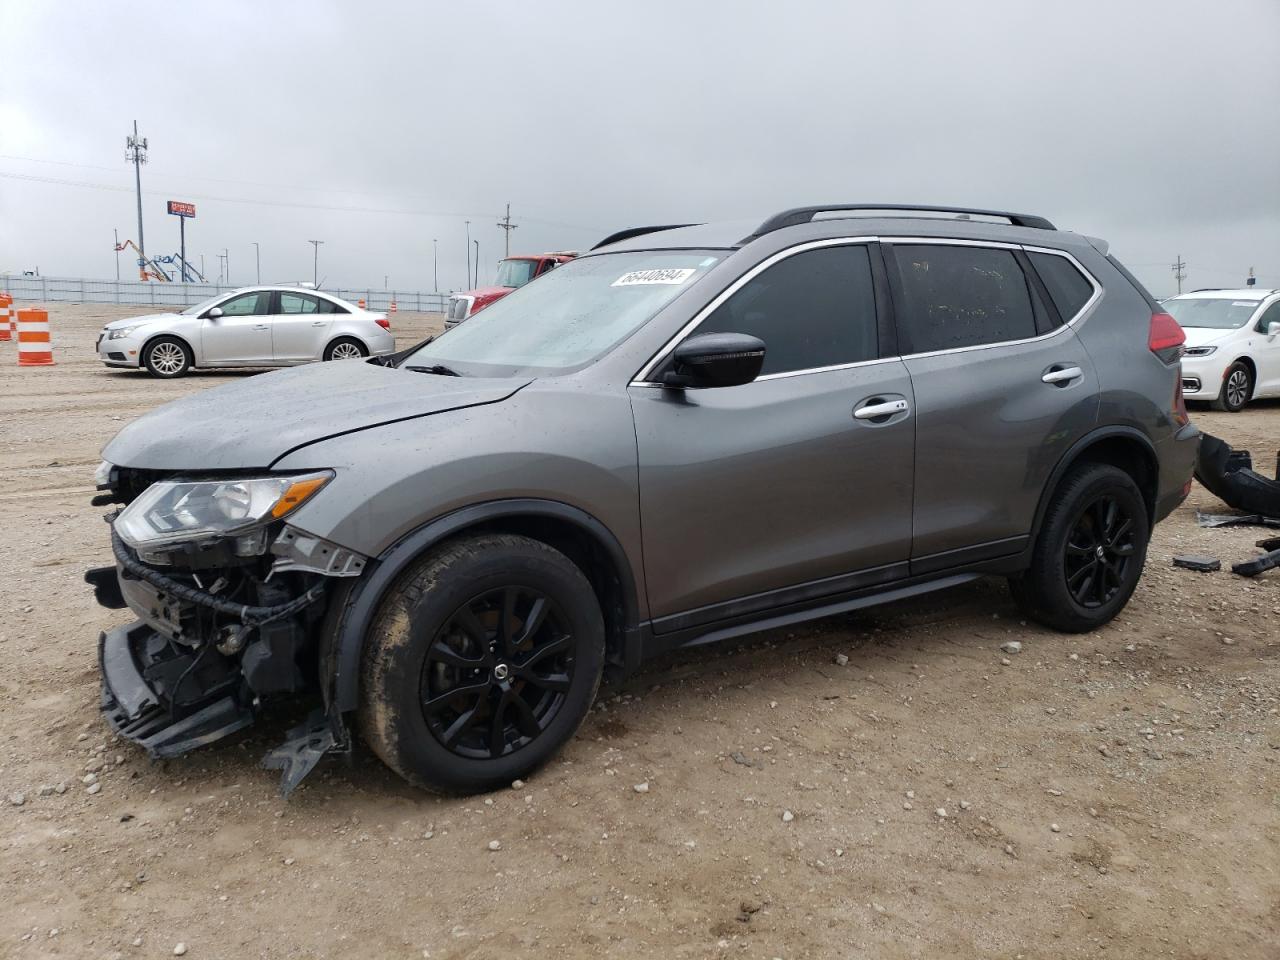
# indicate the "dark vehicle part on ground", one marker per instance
pixel 1268 561
pixel 1229 475
pixel 655 446
pixel 1202 564
pixel 1215 520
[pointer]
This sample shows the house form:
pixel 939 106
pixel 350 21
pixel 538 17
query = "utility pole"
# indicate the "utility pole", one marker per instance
pixel 506 225
pixel 468 253
pixel 1179 271
pixel 116 234
pixel 257 261
pixel 226 258
pixel 1249 281
pixel 477 243
pixel 136 153
pixel 202 273
pixel 315 262
pixel 435 267
pixel 384 281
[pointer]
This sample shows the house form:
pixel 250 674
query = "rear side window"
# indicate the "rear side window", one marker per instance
pixel 298 303
pixel 1067 286
pixel 960 296
pixel 328 306
pixel 816 308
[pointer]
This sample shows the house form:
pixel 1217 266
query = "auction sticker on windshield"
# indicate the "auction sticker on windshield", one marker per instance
pixel 667 275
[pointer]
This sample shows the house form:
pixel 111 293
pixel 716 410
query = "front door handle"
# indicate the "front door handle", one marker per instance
pixel 1062 375
pixel 261 326
pixel 317 323
pixel 874 411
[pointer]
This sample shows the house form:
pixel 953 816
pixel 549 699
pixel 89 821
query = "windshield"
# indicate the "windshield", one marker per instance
pixel 201 307
pixel 515 273
pixel 571 316
pixel 1217 313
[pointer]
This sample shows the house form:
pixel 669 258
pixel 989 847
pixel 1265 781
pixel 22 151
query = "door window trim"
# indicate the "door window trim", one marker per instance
pixel 1000 245
pixel 640 379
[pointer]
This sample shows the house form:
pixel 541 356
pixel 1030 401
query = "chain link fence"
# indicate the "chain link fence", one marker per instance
pixel 182 295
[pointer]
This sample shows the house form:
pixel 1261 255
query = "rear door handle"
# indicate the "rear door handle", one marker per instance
pixel 317 323
pixel 874 411
pixel 261 326
pixel 1062 375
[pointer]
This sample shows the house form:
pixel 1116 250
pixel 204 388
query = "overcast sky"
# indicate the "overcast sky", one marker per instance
pixel 378 126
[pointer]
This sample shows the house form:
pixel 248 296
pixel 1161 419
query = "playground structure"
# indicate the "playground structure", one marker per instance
pixel 153 268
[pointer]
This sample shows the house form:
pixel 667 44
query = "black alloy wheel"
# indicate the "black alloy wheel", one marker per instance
pixel 1098 552
pixel 497 672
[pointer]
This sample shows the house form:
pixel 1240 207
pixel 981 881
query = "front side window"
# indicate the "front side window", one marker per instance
pixel 515 273
pixel 246 305
pixel 1216 313
pixel 298 303
pixel 813 309
pixel 1269 316
pixel 570 317
pixel 960 296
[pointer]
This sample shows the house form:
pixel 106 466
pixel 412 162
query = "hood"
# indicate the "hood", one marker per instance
pixel 1203 336
pixel 488 293
pixel 254 422
pixel 135 321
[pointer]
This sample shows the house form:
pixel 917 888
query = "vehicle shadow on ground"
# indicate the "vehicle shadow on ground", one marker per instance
pixel 920 625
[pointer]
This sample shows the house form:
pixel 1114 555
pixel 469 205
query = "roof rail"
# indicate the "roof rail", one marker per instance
pixel 638 232
pixel 790 218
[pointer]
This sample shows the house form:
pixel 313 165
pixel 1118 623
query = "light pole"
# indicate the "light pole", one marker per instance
pixel 435 267
pixel 315 263
pixel 477 243
pixel 468 253
pixel 117 236
pixel 226 257
pixel 257 260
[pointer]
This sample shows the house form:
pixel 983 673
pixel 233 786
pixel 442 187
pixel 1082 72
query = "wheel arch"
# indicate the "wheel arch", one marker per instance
pixel 1253 372
pixel 166 334
pixel 1121 446
pixel 581 537
pixel 368 350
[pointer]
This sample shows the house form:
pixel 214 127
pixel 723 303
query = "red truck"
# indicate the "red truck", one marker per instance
pixel 512 272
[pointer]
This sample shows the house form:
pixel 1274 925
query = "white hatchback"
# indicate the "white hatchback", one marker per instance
pixel 1233 345
pixel 251 327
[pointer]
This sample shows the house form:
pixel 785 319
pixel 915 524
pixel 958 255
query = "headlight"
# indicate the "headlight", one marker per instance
pixel 119 333
pixel 102 476
pixel 177 510
pixel 1198 351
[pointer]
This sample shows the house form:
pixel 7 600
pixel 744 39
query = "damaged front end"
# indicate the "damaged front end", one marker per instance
pixel 230 601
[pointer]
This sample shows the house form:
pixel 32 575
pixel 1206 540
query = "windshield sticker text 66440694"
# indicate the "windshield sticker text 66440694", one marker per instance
pixel 665 275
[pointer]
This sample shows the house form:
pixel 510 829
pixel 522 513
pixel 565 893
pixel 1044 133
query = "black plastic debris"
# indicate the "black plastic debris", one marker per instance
pixel 1268 561
pixel 1229 475
pixel 1213 520
pixel 1203 564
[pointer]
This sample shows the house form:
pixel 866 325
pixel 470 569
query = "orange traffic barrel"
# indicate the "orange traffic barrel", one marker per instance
pixel 6 317
pixel 360 304
pixel 34 346
pixel 393 306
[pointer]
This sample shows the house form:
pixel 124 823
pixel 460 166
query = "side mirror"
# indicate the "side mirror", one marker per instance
pixel 213 314
pixel 1273 328
pixel 716 360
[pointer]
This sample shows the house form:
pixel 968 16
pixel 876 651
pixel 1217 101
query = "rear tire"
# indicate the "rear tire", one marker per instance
pixel 1237 388
pixel 481 663
pixel 1088 559
pixel 167 358
pixel 345 348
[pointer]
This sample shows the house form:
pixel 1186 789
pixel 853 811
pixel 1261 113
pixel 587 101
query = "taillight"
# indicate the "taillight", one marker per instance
pixel 383 322
pixel 1165 338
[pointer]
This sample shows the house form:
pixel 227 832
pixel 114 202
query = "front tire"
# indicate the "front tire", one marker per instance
pixel 345 348
pixel 1088 559
pixel 481 663
pixel 167 358
pixel 1237 388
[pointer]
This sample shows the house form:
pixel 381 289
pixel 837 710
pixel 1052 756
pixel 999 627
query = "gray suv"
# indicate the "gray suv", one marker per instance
pixel 688 434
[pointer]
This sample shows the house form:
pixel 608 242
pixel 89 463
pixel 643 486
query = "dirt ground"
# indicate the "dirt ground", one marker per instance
pixel 1112 795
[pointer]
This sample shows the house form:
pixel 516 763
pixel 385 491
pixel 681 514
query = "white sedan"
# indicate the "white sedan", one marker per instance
pixel 251 327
